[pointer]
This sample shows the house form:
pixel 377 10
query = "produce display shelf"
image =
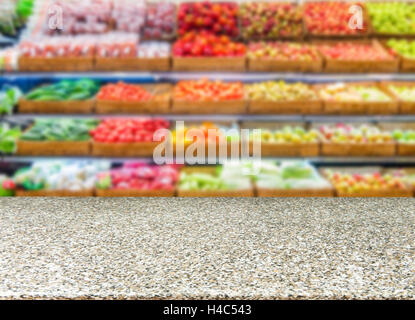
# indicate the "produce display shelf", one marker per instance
pixel 399 161
pixel 229 76
pixel 227 118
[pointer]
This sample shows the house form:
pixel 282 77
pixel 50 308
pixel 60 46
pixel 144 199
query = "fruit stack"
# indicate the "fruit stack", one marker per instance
pixel 209 97
pixel 357 56
pixel 51 54
pixel 215 17
pixel 280 97
pixel 205 136
pixel 138 180
pixel 126 98
pixel 351 140
pixel 129 137
pixel 392 17
pixel 290 179
pixel 357 98
pixel 404 135
pixel 404 92
pixel 65 97
pixel 160 20
pixel 355 182
pixel 226 181
pixel 57 137
pixel 271 20
pixel 59 178
pixel 405 51
pixel 283 56
pixel 206 51
pixel 334 18
pixel 288 141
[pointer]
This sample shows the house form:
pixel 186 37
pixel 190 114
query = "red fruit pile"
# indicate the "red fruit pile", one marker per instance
pixel 205 44
pixel 205 90
pixel 354 51
pixel 219 18
pixel 115 130
pixel 282 51
pixel 124 92
pixel 270 20
pixel 144 177
pixel 330 18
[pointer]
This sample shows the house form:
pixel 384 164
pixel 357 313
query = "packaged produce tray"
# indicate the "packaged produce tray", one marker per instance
pixel 161 104
pixel 405 107
pixel 359 66
pixel 287 193
pixel 209 64
pixel 132 64
pixel 134 193
pixel 361 107
pixel 358 149
pixel 55 193
pixel 212 193
pixel 40 64
pixel 209 107
pixel 57 107
pixel 138 149
pixel 274 65
pixel 53 148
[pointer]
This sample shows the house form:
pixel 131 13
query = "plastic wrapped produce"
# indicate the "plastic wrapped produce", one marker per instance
pixel 154 49
pixel 117 44
pixel 160 20
pixel 129 15
pixel 60 175
pixel 80 17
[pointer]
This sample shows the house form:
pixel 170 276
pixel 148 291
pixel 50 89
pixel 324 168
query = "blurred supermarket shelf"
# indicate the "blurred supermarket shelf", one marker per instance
pixel 227 118
pixel 229 76
pixel 318 161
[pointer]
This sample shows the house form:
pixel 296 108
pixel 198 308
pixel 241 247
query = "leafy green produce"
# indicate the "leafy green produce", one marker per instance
pixel 8 137
pixel 65 90
pixel 8 99
pixel 13 15
pixel 60 130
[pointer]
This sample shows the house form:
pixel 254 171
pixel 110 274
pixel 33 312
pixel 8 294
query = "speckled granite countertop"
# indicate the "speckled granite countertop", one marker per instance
pixel 207 248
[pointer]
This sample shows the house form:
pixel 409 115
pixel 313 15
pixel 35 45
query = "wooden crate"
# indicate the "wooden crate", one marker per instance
pixel 361 107
pixel 134 149
pixel 289 149
pixel 274 65
pixel 285 107
pixel 289 193
pixel 358 149
pixel 53 148
pixel 132 64
pixel 209 64
pixel 387 193
pixel 402 149
pixel 209 107
pixel 57 107
pixel 40 64
pixel 161 103
pixel 55 193
pixel 134 193
pixel 405 107
pixel 359 66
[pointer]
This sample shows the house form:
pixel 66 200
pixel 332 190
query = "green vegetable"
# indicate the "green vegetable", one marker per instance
pixel 65 90
pixel 60 130
pixel 8 137
pixel 8 99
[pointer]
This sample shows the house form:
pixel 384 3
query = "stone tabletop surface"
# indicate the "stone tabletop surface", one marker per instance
pixel 207 248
